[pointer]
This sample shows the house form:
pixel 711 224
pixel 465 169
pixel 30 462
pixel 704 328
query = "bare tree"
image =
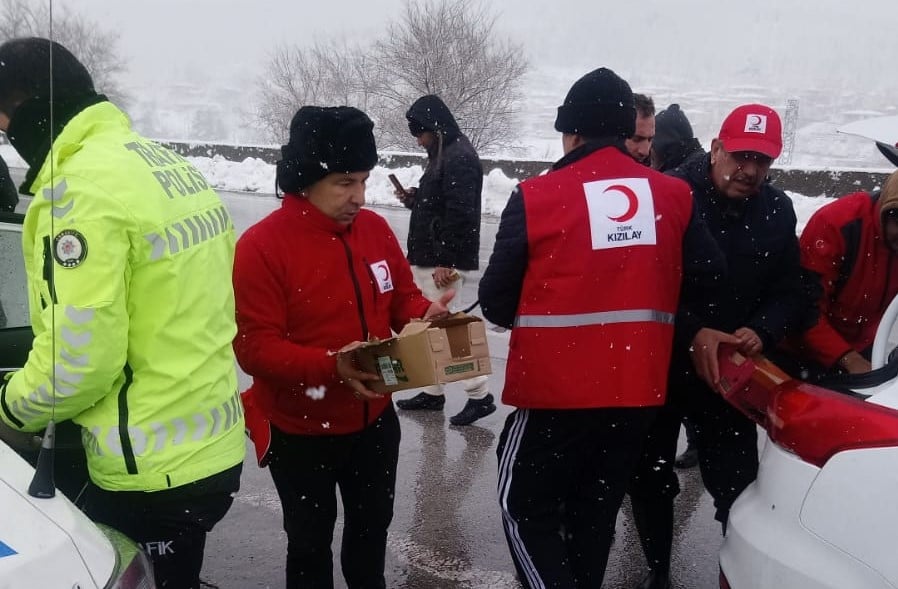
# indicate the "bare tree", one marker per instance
pixel 94 46
pixel 333 73
pixel 451 48
pixel 444 47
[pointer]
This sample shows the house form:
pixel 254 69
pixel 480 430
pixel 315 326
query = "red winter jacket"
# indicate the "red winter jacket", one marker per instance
pixel 842 242
pixel 306 286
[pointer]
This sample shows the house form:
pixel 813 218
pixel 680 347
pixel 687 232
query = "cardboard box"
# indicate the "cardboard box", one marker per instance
pixel 748 383
pixel 427 353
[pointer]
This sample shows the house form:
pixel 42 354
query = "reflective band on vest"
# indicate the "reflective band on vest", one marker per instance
pixel 600 318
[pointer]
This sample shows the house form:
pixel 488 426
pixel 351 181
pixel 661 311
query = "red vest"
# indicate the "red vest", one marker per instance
pixel 595 318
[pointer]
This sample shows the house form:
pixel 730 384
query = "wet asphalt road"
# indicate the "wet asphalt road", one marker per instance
pixel 446 531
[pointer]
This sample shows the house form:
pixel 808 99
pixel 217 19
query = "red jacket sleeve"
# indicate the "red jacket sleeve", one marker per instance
pixel 407 303
pixel 261 345
pixel 822 252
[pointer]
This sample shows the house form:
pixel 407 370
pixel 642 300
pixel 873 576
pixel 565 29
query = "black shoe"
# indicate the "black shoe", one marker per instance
pixel 688 459
pixel 474 410
pixel 422 401
pixel 655 581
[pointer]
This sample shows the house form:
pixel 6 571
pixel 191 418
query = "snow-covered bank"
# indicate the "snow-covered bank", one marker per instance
pixel 254 175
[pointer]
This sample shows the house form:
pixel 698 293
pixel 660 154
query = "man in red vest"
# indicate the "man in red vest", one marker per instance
pixel 587 270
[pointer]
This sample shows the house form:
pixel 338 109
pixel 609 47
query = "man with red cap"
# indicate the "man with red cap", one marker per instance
pixel 753 222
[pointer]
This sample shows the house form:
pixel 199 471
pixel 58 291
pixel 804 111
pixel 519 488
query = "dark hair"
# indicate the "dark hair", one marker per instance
pixel 645 106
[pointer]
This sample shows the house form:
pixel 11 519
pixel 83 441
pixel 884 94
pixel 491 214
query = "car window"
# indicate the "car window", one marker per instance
pixel 13 286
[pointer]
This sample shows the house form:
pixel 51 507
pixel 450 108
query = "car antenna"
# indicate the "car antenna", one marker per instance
pixel 43 485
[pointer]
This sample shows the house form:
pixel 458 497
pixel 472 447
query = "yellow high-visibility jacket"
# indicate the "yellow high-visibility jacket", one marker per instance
pixel 129 253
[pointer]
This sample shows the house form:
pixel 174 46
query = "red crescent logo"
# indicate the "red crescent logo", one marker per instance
pixel 755 120
pixel 383 271
pixel 632 202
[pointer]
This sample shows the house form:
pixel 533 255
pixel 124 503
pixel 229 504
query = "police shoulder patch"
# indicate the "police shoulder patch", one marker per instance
pixel 69 248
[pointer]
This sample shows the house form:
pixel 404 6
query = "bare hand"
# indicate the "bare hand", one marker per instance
pixel 354 377
pixel 440 308
pixel 704 349
pixel 443 277
pixel 407 196
pixel 749 341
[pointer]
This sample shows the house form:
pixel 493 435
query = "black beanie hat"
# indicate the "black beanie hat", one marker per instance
pixel 25 73
pixel 325 140
pixel 672 128
pixel 600 104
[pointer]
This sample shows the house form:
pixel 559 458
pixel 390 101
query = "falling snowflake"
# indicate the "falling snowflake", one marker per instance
pixel 315 393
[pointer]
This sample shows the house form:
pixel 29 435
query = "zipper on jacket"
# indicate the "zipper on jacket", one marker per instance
pixel 123 435
pixel 48 271
pixel 358 298
pixel 374 283
pixel 358 289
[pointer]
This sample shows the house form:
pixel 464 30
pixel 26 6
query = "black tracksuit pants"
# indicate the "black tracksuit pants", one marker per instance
pixel 562 477
pixel 727 444
pixel 307 471
pixel 170 525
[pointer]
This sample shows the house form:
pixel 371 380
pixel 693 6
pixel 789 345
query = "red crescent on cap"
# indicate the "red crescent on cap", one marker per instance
pixel 632 202
pixel 755 119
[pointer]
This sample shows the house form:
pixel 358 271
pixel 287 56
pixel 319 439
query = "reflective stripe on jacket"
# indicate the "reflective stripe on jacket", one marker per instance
pixel 595 319
pixel 129 254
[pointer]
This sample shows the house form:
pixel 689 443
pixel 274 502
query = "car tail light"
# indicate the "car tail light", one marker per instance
pixel 816 423
pixel 724 584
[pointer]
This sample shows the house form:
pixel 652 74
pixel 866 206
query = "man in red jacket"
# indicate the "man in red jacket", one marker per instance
pixel 587 269
pixel 851 244
pixel 312 277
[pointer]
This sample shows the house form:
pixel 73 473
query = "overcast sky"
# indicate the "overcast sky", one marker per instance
pixel 824 42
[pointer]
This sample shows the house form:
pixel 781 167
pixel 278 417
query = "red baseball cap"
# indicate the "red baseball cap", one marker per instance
pixel 753 127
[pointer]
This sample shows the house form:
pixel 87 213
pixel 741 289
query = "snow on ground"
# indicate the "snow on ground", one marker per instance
pixel 254 175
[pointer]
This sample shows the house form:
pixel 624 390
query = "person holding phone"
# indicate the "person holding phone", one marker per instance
pixel 444 231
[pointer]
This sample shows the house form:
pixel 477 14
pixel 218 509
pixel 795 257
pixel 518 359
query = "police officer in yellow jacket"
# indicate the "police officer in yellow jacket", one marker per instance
pixel 128 253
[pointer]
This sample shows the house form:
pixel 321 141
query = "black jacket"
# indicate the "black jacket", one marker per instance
pixel 444 229
pixel 9 196
pixel 704 267
pixel 757 235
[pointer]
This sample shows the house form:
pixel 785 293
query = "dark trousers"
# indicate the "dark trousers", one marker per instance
pixel 562 477
pixel 170 525
pixel 306 471
pixel 727 443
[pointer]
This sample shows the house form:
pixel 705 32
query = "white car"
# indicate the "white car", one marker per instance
pixel 48 542
pixel 823 512
pixel 882 130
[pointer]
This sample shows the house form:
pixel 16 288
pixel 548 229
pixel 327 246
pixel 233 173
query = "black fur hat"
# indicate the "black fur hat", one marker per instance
pixel 600 104
pixel 325 140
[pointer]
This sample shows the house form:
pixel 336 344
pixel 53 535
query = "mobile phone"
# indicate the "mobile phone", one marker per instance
pixel 397 184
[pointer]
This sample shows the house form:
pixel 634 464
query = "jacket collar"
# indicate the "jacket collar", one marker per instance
pixel 31 134
pixel 588 148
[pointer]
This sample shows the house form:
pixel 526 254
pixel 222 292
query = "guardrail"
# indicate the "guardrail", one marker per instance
pixel 821 182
